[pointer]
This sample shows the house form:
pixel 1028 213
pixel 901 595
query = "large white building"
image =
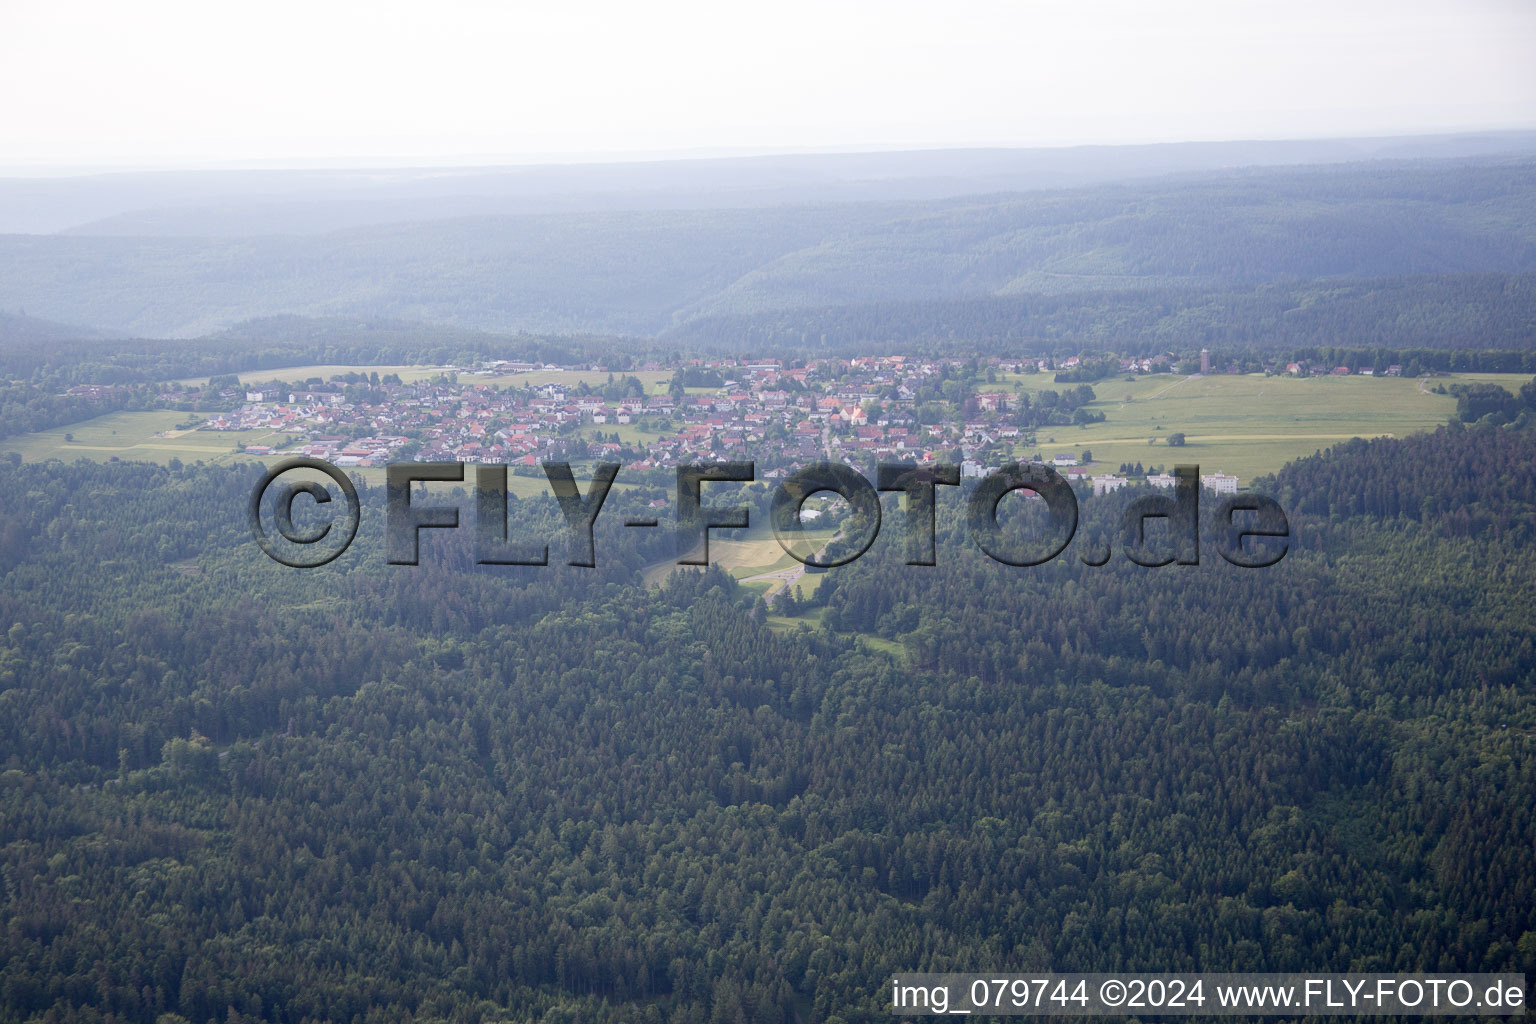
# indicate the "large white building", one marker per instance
pixel 1221 483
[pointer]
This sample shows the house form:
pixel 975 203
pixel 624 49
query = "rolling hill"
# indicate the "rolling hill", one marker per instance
pixel 644 272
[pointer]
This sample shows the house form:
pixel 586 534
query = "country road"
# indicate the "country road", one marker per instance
pixel 789 576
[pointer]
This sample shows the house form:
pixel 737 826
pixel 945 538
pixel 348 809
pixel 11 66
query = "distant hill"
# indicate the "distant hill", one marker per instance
pixel 353 331
pixel 280 341
pixel 1444 311
pixel 645 272
pixel 349 339
pixel 263 202
pixel 20 329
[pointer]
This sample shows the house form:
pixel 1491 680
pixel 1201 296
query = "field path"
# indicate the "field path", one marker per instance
pixel 789 576
pixel 1163 391
pixel 73 445
pixel 786 577
pixel 1227 438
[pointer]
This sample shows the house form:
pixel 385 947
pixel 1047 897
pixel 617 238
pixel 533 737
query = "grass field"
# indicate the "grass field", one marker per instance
pixel 812 619
pixel 152 437
pixel 300 374
pixel 750 552
pixel 1508 381
pixel 655 381
pixel 811 582
pixel 146 436
pixel 1247 425
pixel 628 433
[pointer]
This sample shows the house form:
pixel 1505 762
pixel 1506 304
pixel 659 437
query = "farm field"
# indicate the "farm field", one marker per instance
pixel 655 381
pixel 751 553
pixel 1248 425
pixel 629 433
pixel 152 437
pixel 300 374
pixel 149 436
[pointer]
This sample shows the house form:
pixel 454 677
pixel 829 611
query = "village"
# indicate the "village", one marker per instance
pixel 860 411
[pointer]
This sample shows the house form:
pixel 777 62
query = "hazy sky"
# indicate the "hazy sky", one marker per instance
pixel 164 82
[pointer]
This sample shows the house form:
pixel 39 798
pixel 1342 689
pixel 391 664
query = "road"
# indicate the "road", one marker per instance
pixel 788 577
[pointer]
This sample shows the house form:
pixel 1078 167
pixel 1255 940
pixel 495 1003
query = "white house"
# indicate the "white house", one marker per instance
pixel 1221 483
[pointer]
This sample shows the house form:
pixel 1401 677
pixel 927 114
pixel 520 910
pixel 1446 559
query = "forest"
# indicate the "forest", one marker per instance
pixel 55 356
pixel 1428 317
pixel 642 272
pixel 233 791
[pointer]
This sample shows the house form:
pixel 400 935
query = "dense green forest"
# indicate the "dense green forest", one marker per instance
pixel 46 358
pixel 234 791
pixel 641 272
pixel 1424 317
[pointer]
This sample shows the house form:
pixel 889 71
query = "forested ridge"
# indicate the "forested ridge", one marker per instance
pixel 1454 323
pixel 1425 317
pixel 236 791
pixel 642 272
pixel 284 341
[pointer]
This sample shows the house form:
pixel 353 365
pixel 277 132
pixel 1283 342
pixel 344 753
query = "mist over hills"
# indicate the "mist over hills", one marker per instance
pixel 203 203
pixel 647 272
pixel 18 328
pixel 1442 311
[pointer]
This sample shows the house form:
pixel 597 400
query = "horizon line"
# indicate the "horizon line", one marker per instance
pixel 490 160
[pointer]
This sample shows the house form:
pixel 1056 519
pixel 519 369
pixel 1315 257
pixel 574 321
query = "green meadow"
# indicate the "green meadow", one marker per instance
pixel 629 433
pixel 749 553
pixel 655 381
pixel 146 436
pixel 325 371
pixel 1247 425
pixel 153 437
